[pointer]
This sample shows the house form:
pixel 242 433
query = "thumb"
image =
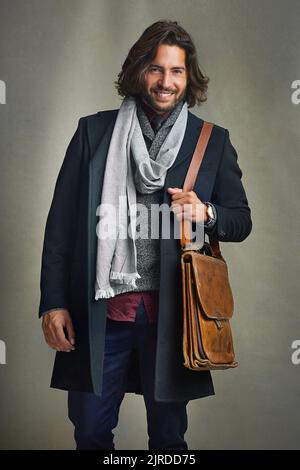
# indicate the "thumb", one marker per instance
pixel 70 331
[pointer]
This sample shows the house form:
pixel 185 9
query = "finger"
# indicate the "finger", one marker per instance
pixel 49 334
pixel 176 208
pixel 179 216
pixel 183 196
pixel 70 331
pixel 174 191
pixel 199 212
pixel 185 215
pixel 61 341
pixel 50 342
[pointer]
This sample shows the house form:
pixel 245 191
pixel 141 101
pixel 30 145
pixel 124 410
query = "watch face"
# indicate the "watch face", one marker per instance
pixel 210 212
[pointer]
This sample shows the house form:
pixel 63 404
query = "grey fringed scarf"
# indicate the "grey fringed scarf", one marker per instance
pixel 116 262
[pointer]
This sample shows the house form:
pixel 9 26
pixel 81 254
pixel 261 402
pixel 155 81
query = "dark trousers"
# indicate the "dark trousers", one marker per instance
pixel 94 417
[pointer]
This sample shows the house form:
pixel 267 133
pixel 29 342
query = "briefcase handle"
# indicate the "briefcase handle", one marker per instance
pixel 189 182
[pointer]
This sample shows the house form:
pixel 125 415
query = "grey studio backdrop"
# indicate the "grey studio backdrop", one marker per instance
pixel 58 61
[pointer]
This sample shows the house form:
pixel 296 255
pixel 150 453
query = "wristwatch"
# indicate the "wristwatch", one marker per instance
pixel 212 215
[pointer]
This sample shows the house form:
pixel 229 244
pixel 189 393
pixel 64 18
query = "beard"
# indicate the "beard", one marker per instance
pixel 160 106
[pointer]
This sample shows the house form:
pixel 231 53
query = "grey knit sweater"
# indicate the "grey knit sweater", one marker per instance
pixel 148 252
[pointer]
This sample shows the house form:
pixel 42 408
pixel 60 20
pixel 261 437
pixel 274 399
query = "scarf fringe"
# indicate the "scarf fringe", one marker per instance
pixel 104 293
pixel 125 278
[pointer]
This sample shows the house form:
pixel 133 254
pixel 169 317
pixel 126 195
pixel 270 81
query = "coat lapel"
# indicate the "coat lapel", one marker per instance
pixel 96 175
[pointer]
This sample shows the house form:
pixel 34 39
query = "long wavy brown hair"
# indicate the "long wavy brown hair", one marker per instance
pixel 131 78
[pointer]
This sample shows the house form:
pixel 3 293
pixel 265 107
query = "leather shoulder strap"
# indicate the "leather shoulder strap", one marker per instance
pixel 189 183
pixel 198 155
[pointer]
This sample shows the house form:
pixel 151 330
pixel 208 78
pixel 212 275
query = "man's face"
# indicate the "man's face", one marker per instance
pixel 165 79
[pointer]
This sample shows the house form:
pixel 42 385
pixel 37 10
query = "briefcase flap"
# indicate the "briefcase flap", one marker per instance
pixel 211 279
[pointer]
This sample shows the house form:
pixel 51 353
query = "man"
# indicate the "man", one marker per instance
pixel 111 307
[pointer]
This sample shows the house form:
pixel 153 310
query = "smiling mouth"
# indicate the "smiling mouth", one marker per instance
pixel 163 94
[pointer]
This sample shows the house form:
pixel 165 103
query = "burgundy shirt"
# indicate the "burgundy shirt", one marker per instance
pixel 123 307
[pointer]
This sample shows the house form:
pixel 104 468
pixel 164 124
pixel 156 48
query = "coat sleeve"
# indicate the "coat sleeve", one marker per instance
pixel 234 222
pixel 60 229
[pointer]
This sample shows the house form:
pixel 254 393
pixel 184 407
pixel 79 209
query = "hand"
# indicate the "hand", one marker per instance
pixel 54 325
pixel 195 210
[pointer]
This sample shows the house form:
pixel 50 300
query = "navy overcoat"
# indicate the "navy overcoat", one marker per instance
pixel 69 256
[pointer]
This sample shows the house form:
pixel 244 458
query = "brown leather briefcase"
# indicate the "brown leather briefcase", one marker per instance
pixel 206 291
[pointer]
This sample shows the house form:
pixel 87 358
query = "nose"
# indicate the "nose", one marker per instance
pixel 165 81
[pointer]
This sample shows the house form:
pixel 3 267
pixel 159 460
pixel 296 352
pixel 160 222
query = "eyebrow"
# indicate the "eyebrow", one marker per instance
pixel 172 68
